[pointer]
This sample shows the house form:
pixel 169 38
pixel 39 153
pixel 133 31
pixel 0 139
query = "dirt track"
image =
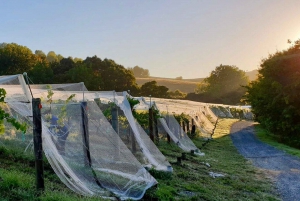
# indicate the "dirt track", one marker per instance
pixel 284 169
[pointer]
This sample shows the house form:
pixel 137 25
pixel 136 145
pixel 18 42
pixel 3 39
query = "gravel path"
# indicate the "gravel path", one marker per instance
pixel 283 168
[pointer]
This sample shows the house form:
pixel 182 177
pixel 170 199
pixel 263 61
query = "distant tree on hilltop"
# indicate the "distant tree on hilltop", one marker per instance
pixel 224 85
pixel 140 72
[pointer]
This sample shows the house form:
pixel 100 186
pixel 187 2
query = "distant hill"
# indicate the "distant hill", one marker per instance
pixel 252 74
pixel 184 85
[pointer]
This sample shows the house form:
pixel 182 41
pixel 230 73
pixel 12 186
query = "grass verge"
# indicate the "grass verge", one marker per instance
pixel 269 138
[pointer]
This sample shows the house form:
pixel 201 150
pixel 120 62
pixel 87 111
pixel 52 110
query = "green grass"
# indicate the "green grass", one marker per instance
pixel 17 180
pixel 189 181
pixel 271 139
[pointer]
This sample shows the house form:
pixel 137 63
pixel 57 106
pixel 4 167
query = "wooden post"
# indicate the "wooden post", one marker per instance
pixel 114 118
pixel 188 126
pixel 168 136
pixel 115 125
pixel 180 130
pixel 193 129
pixel 37 141
pixel 151 133
pixel 183 126
pixel 133 145
pixel 85 135
pixel 86 141
pixel 156 130
pixel 179 160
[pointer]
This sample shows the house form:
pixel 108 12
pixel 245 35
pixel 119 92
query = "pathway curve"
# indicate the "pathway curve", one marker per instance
pixel 283 168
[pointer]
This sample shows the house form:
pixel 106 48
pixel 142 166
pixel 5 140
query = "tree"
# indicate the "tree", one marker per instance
pixel 177 94
pixel 81 73
pixel 52 57
pixel 274 96
pixel 113 76
pixel 40 55
pixel 77 60
pixel 41 73
pixel 16 59
pixel 151 88
pixel 140 72
pixel 224 85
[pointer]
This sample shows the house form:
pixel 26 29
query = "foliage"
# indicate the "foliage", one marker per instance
pixel 224 85
pixel 41 73
pixel 142 118
pixel 177 94
pixel 5 116
pixel 182 118
pixel 63 111
pixel 16 59
pixel 132 102
pixel 151 88
pixel 274 96
pixel 108 108
pixel 139 72
pixel 81 73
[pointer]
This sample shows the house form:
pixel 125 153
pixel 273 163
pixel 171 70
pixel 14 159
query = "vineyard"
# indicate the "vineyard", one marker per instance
pixel 112 145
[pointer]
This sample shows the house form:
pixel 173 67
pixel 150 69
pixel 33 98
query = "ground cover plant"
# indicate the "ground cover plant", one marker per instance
pixel 189 181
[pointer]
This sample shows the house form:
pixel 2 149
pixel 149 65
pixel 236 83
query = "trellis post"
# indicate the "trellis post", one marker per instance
pixel 37 141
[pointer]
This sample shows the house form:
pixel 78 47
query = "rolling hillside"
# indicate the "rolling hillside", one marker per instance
pixel 184 85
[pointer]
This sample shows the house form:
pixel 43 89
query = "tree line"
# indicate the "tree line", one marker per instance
pixel 96 73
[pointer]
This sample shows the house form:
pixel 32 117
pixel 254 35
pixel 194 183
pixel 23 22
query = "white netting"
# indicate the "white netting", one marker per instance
pixel 169 125
pixel 80 144
pixel 12 138
pixel 133 135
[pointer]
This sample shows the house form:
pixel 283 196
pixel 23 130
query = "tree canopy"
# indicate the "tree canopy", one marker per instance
pixel 15 59
pixel 274 96
pixel 97 74
pixel 151 88
pixel 224 85
pixel 140 72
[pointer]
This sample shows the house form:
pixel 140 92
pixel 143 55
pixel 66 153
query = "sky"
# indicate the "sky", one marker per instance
pixel 170 38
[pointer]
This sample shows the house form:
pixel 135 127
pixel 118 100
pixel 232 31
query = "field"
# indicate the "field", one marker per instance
pixel 189 181
pixel 186 86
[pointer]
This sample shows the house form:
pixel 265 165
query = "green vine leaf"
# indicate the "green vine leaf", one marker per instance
pixel 5 116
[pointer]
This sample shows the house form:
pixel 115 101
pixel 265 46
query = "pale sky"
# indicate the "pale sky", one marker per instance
pixel 171 38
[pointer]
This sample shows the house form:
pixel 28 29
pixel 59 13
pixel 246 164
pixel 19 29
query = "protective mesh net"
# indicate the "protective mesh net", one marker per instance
pixel 230 111
pixel 79 143
pixel 130 131
pixel 11 138
pixel 168 125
